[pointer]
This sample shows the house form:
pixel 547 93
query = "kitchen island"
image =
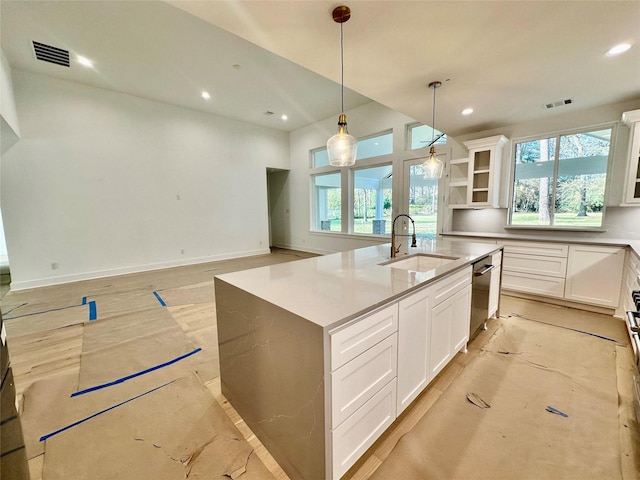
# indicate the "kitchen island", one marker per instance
pixel 318 355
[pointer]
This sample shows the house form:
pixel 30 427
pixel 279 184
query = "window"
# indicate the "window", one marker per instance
pixel 328 202
pixel 375 146
pixel 372 200
pixel 368 147
pixel 420 136
pixel 560 181
pixel 423 201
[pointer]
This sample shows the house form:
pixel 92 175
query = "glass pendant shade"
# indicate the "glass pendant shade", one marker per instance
pixel 432 167
pixel 342 147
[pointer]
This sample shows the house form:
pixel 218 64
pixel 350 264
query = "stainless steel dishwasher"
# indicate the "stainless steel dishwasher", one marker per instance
pixel 481 284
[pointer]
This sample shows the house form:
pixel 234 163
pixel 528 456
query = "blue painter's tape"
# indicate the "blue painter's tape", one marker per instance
pixel 557 412
pixel 74 424
pixel 134 375
pixel 11 310
pixel 160 299
pixel 566 328
pixel 93 311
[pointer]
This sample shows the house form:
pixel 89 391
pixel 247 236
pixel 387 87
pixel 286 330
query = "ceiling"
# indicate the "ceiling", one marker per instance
pixel 504 59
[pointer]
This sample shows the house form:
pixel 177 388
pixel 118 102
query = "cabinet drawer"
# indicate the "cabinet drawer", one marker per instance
pixel 351 439
pixel 539 265
pixel 536 248
pixel 443 289
pixel 358 380
pixel 363 333
pixel 535 284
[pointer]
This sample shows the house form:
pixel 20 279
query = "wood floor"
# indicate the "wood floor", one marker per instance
pixel 41 349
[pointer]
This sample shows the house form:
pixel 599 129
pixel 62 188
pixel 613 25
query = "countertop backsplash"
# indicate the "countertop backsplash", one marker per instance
pixel 621 223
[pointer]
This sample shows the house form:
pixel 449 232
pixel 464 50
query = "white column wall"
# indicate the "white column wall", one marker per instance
pixel 7 101
pixel 103 183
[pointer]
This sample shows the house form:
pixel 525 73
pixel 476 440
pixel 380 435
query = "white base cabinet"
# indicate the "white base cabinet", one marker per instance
pixel 413 343
pixel 381 362
pixel 589 274
pixel 495 285
pixel 433 325
pixel 449 329
pixel 594 274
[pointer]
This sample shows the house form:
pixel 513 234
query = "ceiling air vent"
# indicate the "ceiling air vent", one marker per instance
pixel 558 103
pixel 50 54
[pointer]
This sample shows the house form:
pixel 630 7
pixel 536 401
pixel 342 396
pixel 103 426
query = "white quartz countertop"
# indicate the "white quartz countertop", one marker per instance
pixel 621 242
pixel 331 289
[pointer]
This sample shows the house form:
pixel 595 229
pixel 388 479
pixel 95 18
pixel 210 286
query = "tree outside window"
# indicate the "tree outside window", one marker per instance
pixel 560 181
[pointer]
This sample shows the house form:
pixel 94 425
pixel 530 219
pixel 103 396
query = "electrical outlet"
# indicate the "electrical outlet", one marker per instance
pixel 182 251
pixel 54 266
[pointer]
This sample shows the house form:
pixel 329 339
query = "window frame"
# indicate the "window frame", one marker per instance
pixel 313 204
pixel 557 135
pixel 352 186
pixel 408 135
pixel 359 160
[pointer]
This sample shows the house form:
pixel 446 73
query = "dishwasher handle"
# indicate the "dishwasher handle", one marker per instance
pixel 485 269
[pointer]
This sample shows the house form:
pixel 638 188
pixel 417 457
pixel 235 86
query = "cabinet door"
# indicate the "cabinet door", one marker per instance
pixel 494 291
pixel 449 329
pixel 594 274
pixel 461 320
pixel 413 347
pixel 484 171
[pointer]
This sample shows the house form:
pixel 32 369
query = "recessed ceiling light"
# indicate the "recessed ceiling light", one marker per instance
pixel 467 111
pixel 206 95
pixel 284 117
pixel 618 49
pixel 85 62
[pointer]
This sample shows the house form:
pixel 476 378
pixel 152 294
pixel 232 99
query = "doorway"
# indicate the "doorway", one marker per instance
pixel 278 207
pixel 422 198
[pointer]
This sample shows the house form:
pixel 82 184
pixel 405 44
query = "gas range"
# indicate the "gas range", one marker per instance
pixel 633 326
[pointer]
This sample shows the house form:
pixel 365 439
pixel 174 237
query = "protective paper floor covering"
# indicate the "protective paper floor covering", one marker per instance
pixel 525 368
pixel 175 432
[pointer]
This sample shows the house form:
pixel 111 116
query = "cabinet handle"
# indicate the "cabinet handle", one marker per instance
pixel 487 268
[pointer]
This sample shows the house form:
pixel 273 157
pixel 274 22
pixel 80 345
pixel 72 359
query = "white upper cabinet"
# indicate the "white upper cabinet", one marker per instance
pixel 632 183
pixel 483 173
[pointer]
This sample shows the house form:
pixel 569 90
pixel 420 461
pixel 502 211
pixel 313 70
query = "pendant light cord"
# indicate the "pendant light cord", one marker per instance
pixel 433 118
pixel 341 69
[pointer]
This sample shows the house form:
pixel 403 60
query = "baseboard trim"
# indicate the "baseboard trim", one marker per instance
pixel 560 302
pixel 78 277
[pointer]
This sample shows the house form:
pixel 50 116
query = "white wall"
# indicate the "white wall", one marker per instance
pixel 103 183
pixel 8 113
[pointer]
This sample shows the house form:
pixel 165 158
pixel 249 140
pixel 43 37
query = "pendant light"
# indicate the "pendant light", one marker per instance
pixel 342 147
pixel 432 167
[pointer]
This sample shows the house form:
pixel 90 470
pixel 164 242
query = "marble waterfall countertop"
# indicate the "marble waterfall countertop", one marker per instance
pixel 331 289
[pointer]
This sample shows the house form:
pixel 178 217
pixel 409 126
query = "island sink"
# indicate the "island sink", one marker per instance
pixel 419 262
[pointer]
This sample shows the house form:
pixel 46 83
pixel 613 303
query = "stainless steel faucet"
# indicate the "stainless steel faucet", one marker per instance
pixel 395 250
